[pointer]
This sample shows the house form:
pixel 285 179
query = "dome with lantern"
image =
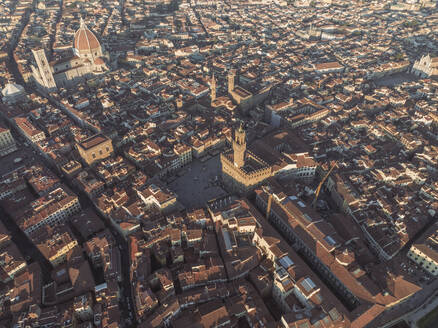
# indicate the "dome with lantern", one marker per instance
pixel 86 43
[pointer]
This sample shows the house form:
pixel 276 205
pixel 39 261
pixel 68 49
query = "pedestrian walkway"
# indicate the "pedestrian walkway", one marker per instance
pixel 430 305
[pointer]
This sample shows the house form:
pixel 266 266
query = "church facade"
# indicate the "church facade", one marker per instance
pixel 426 66
pixel 88 60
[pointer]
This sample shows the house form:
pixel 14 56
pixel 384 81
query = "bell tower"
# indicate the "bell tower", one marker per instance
pixel 213 89
pixel 239 147
pixel 231 77
pixel 44 70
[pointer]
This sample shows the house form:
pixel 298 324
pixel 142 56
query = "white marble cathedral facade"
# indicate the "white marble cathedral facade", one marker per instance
pixel 88 59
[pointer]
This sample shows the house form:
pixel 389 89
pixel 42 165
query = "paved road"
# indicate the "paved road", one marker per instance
pixel 26 247
pixel 429 305
pixel 395 79
pixel 12 64
pixel 404 310
pixel 8 164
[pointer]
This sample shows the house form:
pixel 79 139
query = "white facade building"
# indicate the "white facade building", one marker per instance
pixel 425 67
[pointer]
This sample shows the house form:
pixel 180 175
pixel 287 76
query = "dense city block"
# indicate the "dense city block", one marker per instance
pixel 205 163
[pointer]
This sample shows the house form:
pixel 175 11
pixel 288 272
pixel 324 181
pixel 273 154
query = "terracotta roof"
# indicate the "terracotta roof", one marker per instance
pixel 98 61
pixel 367 316
pixel 93 141
pixel 213 314
pixel 328 65
pixel 85 39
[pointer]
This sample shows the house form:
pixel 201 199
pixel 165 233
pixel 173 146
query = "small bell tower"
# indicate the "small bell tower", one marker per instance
pixel 213 89
pixel 231 78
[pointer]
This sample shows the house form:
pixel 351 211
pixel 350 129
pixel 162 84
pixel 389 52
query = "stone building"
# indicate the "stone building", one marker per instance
pixel 427 66
pixel 95 148
pixel 242 171
pixel 54 243
pixel 88 59
pixel 279 154
pixel 244 97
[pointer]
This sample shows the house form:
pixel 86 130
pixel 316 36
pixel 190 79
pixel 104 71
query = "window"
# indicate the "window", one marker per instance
pixel 94 155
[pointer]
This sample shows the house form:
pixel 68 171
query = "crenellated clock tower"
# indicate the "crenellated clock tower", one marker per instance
pixel 239 147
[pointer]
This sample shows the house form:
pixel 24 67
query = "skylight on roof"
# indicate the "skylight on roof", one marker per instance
pixel 226 239
pixel 330 240
pixel 308 284
pixel 286 262
pixel 307 217
pixel 301 204
pixel 334 314
pixel 281 273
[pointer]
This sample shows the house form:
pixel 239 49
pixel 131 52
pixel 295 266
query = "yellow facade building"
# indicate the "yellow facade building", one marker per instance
pixel 54 243
pixel 95 148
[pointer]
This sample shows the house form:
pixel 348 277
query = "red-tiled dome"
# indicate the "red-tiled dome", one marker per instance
pixel 85 39
pixel 99 61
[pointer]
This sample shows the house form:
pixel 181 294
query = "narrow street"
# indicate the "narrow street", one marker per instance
pixel 429 305
pixel 126 298
pixel 12 64
pixel 58 19
pixel 29 251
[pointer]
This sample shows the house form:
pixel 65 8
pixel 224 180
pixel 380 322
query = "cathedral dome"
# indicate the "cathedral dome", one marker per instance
pixel 85 40
pixel 99 61
pixel 12 90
